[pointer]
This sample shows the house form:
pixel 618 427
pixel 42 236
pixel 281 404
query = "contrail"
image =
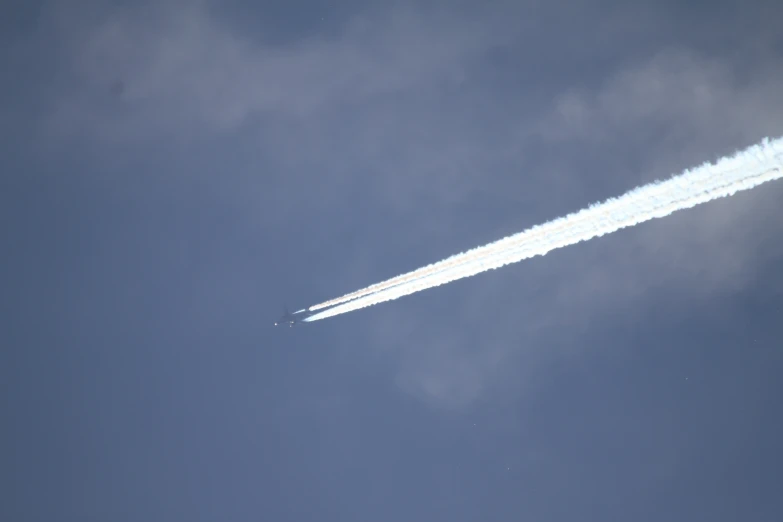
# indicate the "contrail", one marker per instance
pixel 742 171
pixel 416 274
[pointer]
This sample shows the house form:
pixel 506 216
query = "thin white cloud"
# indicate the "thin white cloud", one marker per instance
pixel 678 94
pixel 180 67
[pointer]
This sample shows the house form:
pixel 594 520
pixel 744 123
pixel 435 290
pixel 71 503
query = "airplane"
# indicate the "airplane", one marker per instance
pixel 291 318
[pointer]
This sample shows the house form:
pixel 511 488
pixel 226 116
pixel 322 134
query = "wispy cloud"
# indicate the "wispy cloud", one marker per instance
pixel 180 67
pixel 680 96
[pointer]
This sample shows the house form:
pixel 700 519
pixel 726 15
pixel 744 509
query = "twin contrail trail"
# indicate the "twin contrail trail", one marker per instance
pixel 742 171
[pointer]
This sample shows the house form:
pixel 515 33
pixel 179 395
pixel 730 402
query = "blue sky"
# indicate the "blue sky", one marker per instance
pixel 175 172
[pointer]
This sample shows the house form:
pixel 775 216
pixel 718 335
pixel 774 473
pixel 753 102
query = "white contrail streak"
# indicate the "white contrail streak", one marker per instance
pixel 416 274
pixel 742 171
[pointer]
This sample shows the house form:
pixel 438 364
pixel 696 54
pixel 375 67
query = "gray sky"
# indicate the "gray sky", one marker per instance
pixel 175 172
